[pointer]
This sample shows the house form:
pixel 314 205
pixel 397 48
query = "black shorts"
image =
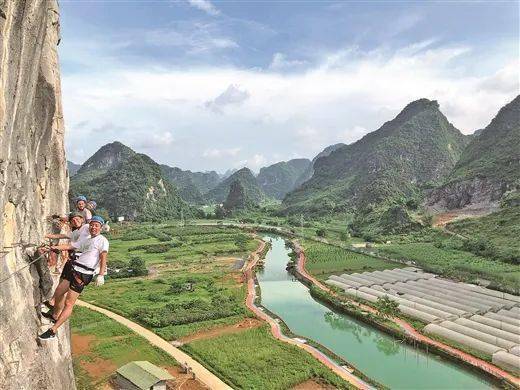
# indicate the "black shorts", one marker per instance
pixel 77 280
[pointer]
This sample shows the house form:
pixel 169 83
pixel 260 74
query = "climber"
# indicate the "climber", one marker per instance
pixel 77 274
pixel 79 231
pixel 91 205
pixel 81 207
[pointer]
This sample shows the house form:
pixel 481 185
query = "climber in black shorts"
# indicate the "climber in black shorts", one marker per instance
pixel 77 274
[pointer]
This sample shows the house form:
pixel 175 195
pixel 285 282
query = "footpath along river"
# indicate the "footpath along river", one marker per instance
pixel 376 354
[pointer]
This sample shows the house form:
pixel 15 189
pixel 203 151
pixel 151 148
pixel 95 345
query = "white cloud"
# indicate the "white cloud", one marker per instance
pixel 194 37
pixel 220 153
pixel 268 113
pixel 205 5
pixel 280 61
pixel 254 163
pixel 231 96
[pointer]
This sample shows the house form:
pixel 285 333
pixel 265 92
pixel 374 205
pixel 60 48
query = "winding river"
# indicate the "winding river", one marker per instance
pixel 376 354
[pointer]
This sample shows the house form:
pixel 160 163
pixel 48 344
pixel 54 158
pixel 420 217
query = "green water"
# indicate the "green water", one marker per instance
pixel 374 353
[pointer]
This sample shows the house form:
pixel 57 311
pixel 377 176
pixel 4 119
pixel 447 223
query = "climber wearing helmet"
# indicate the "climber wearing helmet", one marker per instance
pixel 81 207
pixel 91 205
pixel 77 274
pixel 78 230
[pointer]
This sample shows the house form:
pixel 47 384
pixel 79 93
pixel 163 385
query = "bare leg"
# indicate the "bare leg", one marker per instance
pixel 70 300
pixel 58 298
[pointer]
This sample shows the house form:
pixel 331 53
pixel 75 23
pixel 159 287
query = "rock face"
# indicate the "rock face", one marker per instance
pixel 488 169
pixel 33 185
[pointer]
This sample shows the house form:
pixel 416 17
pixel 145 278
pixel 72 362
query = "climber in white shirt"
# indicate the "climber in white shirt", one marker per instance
pixel 77 274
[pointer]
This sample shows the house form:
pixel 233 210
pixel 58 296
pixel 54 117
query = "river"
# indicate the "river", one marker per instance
pixel 376 354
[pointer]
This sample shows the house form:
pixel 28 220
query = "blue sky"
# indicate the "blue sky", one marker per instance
pixel 215 85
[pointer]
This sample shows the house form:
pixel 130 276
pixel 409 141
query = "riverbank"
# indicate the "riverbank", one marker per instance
pixel 403 329
pixel 277 331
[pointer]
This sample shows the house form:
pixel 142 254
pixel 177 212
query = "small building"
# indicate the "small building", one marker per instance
pixel 142 375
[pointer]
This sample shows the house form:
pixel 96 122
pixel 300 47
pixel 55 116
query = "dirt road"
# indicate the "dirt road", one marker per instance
pixel 202 374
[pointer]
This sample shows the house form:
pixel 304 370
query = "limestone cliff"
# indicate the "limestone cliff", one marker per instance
pixel 33 185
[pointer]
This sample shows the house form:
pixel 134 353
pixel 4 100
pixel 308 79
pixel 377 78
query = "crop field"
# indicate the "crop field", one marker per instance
pixel 273 365
pixel 194 284
pixel 100 346
pixel 456 264
pixel 324 260
pixel 195 290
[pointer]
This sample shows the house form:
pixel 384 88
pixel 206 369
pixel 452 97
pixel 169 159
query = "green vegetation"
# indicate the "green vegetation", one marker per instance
pixel 109 345
pixel 381 176
pixel 194 290
pixel 273 365
pixel 495 234
pixel 134 187
pixel 387 307
pixel 191 185
pixel 324 260
pixel 493 155
pixel 278 179
pixel 248 182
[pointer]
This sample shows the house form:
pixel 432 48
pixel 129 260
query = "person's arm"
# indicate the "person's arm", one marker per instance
pixel 57 236
pixel 62 247
pixel 103 263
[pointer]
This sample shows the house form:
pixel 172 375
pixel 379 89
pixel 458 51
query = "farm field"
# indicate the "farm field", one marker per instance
pixel 100 346
pixel 194 286
pixel 456 264
pixel 324 260
pixel 273 365
pixel 195 294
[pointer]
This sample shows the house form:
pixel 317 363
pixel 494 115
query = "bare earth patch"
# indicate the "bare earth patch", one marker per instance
pixel 246 323
pixel 98 368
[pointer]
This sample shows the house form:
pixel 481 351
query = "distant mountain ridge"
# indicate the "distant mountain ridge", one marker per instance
pixel 192 185
pixel 307 174
pixel 129 184
pixel 385 168
pixel 72 168
pixel 488 168
pixel 278 179
pixel 248 181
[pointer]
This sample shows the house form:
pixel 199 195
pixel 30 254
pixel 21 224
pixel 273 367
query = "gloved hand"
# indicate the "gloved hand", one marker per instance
pixel 100 280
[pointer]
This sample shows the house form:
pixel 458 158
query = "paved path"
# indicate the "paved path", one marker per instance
pixel 202 374
pixel 410 330
pixel 277 332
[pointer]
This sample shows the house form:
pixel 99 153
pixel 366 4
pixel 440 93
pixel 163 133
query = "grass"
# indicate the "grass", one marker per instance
pixel 456 264
pixel 324 260
pixel 273 365
pixel 197 289
pixel 110 346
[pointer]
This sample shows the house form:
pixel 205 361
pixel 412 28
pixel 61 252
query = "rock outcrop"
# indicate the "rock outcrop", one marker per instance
pixel 33 185
pixel 488 169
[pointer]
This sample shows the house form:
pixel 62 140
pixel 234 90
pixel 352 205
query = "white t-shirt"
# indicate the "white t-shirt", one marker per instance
pixel 80 234
pixel 87 215
pixel 90 248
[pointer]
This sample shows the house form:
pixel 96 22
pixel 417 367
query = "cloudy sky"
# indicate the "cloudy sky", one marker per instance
pixel 216 85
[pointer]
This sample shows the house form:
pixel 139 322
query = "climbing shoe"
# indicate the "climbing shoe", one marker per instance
pixel 47 335
pixel 49 316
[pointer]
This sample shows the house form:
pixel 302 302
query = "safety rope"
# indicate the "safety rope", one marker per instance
pixel 22 268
